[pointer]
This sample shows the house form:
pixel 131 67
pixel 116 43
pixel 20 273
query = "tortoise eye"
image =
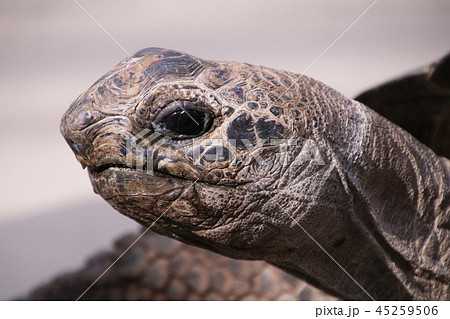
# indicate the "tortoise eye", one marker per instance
pixel 186 122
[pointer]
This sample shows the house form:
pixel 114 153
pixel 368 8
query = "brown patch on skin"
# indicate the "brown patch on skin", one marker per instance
pixel 215 78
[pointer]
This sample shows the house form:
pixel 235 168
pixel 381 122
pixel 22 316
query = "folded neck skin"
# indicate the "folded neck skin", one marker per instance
pixel 382 209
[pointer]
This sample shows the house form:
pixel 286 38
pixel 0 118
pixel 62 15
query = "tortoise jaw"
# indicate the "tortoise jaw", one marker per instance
pixel 120 180
pixel 148 198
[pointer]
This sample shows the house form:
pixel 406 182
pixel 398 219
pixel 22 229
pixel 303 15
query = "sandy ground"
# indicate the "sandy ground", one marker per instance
pixel 52 50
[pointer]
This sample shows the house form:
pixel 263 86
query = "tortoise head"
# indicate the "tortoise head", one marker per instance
pixel 201 150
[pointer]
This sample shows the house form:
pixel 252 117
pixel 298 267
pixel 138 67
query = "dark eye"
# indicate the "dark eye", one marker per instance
pixel 185 123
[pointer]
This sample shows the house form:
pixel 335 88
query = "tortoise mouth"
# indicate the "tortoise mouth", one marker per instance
pixel 101 168
pixel 115 180
pixel 98 171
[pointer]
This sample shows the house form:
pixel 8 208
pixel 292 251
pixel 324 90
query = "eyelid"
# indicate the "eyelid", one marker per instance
pixel 170 108
pixel 182 105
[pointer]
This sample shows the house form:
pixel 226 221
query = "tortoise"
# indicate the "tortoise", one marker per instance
pixel 261 164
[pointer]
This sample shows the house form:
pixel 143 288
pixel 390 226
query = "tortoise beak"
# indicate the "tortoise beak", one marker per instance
pixel 78 117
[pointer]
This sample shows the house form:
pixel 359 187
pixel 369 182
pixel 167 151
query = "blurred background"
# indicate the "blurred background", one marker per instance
pixel 51 51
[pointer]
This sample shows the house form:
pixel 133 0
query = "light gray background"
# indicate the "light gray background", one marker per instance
pixel 51 51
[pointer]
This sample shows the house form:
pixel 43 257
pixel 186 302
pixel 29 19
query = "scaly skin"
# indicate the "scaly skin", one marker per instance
pixel 371 195
pixel 160 268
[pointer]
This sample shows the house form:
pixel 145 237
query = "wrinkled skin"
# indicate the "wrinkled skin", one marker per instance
pixel 372 196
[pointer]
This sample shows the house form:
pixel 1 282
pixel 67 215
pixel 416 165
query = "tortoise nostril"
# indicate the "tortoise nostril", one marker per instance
pixel 81 120
pixel 77 121
pixel 85 118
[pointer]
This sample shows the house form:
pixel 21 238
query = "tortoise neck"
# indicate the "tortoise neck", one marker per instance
pixel 379 205
pixel 400 191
